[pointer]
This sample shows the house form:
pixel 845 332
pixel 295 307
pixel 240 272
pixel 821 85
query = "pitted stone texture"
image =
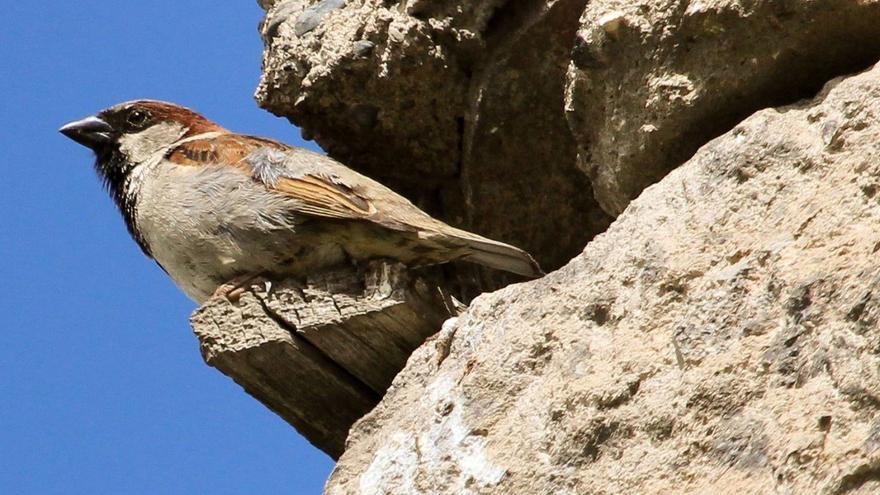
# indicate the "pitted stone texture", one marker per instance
pixel 354 97
pixel 652 81
pixel 721 337
pixel 457 105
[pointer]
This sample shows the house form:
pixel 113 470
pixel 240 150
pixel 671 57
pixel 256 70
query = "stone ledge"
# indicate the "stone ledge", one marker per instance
pixel 321 353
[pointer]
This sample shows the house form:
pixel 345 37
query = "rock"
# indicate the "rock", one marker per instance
pixel 457 105
pixel 720 337
pixel 518 167
pixel 363 48
pixel 651 81
pixel 321 352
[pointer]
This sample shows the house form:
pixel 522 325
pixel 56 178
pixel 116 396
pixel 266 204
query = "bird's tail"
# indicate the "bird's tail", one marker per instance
pixel 494 254
pixel 502 256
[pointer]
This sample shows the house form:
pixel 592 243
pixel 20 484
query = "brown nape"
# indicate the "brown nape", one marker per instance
pixel 196 123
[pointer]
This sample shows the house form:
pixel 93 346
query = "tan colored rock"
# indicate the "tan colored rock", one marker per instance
pixel 720 337
pixel 652 80
pixel 321 352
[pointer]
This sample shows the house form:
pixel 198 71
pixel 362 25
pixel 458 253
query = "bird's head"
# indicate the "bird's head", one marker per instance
pixel 128 135
pixel 132 132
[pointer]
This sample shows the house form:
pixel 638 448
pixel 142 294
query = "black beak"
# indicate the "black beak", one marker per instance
pixel 90 131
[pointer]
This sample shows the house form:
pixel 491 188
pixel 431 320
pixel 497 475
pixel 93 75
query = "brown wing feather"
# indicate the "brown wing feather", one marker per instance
pixel 225 148
pixel 222 149
pixel 319 196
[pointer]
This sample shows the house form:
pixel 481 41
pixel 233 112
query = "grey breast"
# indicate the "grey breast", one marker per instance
pixel 206 225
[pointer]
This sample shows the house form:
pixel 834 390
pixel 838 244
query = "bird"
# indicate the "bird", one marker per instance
pixel 215 208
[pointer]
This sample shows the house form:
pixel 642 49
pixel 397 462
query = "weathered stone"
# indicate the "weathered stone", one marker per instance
pixel 651 81
pixel 282 14
pixel 720 337
pixel 518 160
pixel 321 353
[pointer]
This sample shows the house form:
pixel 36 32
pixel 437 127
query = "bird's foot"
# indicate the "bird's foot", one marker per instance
pixel 233 289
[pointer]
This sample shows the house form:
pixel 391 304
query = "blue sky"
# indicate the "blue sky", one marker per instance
pixel 102 388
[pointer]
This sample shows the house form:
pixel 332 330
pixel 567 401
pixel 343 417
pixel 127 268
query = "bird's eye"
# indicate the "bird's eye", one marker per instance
pixel 137 118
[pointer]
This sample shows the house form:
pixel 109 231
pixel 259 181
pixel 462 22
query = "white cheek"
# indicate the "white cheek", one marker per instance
pixel 136 177
pixel 143 146
pixel 144 150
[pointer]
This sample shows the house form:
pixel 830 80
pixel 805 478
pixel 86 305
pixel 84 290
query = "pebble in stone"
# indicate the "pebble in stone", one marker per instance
pixel 363 48
pixel 312 16
pixel 281 14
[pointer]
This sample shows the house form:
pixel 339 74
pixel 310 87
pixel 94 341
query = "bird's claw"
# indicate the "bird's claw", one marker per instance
pixel 233 289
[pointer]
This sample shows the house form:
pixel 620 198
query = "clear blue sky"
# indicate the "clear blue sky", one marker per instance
pixel 102 388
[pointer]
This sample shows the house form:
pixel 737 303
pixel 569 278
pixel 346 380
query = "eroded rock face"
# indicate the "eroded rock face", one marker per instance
pixel 457 105
pixel 720 337
pixel 651 81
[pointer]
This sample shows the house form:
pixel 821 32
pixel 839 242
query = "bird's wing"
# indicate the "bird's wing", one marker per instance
pixel 317 185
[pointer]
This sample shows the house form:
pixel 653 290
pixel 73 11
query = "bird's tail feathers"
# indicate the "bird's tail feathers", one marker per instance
pixel 500 256
pixel 482 251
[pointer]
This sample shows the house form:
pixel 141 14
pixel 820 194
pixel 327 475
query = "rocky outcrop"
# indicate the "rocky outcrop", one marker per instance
pixel 720 337
pixel 651 81
pixel 321 352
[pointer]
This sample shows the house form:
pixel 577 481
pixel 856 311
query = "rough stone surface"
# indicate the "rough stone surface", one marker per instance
pixel 652 80
pixel 720 337
pixel 321 352
pixel 457 105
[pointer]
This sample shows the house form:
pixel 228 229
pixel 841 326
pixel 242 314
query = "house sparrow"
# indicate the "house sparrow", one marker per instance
pixel 215 208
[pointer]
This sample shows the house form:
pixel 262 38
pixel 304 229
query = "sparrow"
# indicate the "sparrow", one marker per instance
pixel 216 209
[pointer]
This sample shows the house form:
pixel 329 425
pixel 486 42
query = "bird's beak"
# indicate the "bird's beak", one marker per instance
pixel 90 131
